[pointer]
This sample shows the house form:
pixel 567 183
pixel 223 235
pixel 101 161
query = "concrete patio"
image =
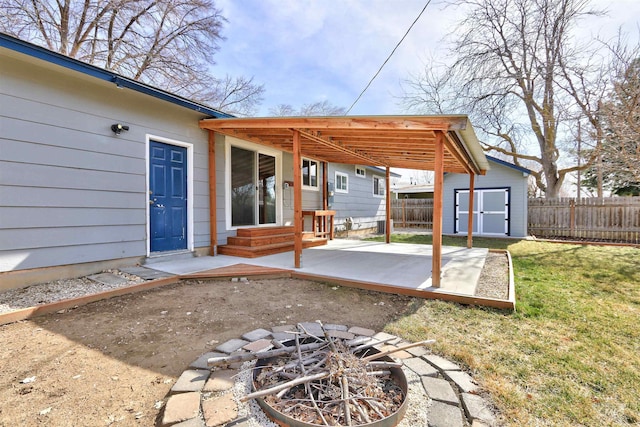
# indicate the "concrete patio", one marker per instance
pixel 397 268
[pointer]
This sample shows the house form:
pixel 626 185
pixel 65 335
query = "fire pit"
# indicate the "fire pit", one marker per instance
pixel 439 392
pixel 320 379
pixel 381 403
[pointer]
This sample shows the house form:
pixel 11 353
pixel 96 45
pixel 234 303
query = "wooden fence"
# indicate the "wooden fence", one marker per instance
pixel 412 213
pixel 611 218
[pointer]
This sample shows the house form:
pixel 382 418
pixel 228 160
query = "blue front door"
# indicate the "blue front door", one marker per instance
pixel 167 197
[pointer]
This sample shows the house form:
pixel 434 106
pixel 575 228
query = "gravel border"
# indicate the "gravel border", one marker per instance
pixel 63 289
pixel 494 277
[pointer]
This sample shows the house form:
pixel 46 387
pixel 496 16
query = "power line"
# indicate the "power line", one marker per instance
pixel 388 58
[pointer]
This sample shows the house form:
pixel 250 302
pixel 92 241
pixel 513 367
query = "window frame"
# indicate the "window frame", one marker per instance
pixel 344 175
pixel 373 187
pixel 315 187
pixel 363 169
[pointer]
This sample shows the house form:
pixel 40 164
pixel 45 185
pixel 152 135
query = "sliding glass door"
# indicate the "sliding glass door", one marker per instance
pixel 254 195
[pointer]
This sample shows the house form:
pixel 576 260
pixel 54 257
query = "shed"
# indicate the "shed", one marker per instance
pixel 499 202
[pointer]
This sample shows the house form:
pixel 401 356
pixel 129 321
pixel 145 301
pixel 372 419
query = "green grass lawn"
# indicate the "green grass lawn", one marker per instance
pixel 569 355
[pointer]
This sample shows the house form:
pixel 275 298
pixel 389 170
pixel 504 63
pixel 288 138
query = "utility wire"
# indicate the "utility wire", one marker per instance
pixel 388 58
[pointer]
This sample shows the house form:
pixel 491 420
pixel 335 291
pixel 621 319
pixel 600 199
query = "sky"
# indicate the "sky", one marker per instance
pixel 306 51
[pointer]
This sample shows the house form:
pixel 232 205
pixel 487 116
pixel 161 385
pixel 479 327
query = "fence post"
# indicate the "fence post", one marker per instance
pixel 404 215
pixel 572 217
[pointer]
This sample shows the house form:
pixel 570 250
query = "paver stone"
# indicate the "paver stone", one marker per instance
pixel 201 362
pixel 193 422
pixel 220 410
pixel 181 407
pixel 441 363
pixel 259 345
pixel 462 380
pixel 357 330
pixel 220 380
pixel 256 334
pixel 444 415
pixel 231 345
pixel 190 380
pixel 439 389
pixel 477 408
pixel 420 367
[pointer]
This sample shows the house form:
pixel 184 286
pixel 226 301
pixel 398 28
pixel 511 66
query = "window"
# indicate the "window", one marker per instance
pixel 378 186
pixel 309 173
pixel 361 172
pixel 342 182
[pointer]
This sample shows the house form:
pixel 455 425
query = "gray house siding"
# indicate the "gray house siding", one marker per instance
pixel 359 201
pixel 71 191
pixel 499 177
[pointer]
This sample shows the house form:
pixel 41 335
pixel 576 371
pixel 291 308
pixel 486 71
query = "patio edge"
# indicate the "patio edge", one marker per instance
pixel 439 295
pixel 39 310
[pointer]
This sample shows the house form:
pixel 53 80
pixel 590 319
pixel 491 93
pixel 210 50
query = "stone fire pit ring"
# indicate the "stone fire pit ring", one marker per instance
pixel 440 392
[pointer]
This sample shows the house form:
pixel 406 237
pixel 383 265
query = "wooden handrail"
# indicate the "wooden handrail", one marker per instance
pixel 324 225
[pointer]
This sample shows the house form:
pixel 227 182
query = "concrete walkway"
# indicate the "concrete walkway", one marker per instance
pixel 401 265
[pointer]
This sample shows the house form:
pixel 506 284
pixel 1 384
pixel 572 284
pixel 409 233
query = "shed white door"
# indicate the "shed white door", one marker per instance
pixel 490 211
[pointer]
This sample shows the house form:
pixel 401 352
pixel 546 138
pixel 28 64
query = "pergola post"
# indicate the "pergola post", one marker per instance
pixel 325 190
pixel 470 226
pixel 213 221
pixel 297 198
pixel 387 229
pixel 437 210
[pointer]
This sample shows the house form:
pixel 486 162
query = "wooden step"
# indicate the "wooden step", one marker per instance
pixel 260 240
pixel 258 251
pixel 263 231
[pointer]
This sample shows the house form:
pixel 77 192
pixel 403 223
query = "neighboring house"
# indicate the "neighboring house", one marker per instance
pixel 413 191
pixel 359 197
pixel 99 171
pixel 500 201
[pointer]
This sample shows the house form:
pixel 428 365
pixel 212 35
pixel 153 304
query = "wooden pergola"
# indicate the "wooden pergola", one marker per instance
pixel 437 143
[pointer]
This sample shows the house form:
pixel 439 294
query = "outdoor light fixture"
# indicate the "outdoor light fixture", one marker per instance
pixel 118 128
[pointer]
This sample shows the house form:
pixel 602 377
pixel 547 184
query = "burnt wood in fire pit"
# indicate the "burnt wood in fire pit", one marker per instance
pixel 340 382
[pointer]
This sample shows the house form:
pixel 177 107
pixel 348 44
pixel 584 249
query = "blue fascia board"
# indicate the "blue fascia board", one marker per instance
pixel 509 165
pixel 26 48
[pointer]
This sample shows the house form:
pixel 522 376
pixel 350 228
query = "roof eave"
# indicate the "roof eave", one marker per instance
pixel 38 52
pixel 469 138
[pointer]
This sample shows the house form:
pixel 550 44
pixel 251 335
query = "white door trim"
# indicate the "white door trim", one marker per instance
pixel 478 211
pixel 231 141
pixel 189 147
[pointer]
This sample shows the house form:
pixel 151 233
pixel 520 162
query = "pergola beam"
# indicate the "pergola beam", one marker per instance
pixel 404 123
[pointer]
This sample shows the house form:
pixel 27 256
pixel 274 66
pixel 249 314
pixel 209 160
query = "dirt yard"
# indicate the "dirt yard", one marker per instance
pixel 113 362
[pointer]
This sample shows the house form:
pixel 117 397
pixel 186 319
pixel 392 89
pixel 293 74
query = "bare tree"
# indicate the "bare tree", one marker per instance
pixel 320 108
pixel 518 72
pixel 620 114
pixel 166 43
